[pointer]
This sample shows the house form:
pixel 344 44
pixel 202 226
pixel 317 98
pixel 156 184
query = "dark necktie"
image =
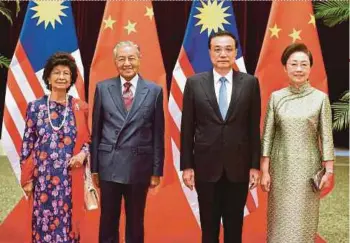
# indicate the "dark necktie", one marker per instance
pixel 128 96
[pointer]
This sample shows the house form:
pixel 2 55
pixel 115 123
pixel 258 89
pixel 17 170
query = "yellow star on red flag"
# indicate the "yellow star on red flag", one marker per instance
pixel 312 20
pixel 295 35
pixel 130 27
pixel 108 22
pixel 274 31
pixel 149 13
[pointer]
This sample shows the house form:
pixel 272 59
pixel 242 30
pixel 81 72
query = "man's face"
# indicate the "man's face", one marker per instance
pixel 127 61
pixel 223 53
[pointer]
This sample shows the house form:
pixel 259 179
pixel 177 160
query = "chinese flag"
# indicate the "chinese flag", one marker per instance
pixel 289 22
pixel 168 217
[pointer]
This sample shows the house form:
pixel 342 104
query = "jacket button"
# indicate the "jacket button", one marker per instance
pixel 116 132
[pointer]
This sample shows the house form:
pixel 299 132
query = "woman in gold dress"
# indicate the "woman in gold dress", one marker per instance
pixel 297 140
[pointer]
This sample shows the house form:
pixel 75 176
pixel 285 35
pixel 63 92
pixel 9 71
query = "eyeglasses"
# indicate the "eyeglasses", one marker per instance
pixel 227 50
pixel 57 73
pixel 302 66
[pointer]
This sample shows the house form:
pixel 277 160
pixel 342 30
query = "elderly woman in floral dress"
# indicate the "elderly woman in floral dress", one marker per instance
pixel 55 146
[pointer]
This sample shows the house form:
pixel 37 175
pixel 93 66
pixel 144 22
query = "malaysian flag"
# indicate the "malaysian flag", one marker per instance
pixel 205 17
pixel 48 27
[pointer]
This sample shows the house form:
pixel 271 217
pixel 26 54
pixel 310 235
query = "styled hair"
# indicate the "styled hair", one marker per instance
pixel 125 43
pixel 222 33
pixel 64 59
pixel 295 47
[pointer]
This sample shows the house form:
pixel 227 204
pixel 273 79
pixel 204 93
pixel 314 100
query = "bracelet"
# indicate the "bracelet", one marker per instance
pixel 329 171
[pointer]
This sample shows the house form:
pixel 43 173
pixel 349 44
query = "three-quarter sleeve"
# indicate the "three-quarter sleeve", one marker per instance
pixel 269 129
pixel 325 130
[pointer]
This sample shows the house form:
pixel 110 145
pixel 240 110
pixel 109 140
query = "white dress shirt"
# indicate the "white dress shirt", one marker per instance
pixel 217 85
pixel 133 82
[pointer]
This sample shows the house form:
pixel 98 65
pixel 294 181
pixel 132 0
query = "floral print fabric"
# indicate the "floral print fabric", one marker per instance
pixel 52 150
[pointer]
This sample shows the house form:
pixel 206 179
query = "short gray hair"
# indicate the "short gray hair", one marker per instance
pixel 125 43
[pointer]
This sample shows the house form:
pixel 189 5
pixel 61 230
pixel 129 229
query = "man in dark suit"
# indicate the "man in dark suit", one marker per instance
pixel 220 140
pixel 127 144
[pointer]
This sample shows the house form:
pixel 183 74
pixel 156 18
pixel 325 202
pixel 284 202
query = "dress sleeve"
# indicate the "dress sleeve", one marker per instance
pixel 28 142
pixel 269 129
pixel 86 146
pixel 325 130
pixel 29 135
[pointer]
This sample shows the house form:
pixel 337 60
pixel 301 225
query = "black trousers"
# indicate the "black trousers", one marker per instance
pixel 135 202
pixel 221 199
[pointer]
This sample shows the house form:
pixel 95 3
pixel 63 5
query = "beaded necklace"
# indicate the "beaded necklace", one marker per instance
pixel 64 116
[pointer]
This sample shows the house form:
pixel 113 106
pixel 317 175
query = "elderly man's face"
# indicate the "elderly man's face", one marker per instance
pixel 127 61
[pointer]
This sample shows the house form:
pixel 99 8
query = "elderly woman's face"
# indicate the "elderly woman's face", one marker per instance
pixel 298 67
pixel 60 78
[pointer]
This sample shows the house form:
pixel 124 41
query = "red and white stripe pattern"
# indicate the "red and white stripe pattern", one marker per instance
pixel 181 72
pixel 25 85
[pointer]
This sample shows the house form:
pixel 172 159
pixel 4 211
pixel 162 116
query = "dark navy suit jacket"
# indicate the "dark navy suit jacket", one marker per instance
pixel 127 147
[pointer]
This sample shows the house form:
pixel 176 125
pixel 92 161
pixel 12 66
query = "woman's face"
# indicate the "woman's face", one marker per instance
pixel 298 67
pixel 60 78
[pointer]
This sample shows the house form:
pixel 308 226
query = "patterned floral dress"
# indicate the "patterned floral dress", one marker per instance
pixel 52 150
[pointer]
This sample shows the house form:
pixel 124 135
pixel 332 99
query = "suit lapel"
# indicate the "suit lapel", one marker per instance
pixel 208 86
pixel 236 90
pixel 116 94
pixel 140 95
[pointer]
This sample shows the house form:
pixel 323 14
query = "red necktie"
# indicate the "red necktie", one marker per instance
pixel 128 96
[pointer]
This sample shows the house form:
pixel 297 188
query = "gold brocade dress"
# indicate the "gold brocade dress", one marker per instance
pixel 298 126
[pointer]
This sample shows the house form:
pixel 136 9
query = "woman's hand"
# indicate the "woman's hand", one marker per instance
pixel 28 188
pixel 326 180
pixel 77 160
pixel 265 181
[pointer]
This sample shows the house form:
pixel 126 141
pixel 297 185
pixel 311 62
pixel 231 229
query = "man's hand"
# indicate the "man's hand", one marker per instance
pixel 155 181
pixel 254 178
pixel 28 188
pixel 188 178
pixel 95 179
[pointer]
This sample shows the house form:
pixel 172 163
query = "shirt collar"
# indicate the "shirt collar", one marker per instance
pixel 133 81
pixel 228 76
